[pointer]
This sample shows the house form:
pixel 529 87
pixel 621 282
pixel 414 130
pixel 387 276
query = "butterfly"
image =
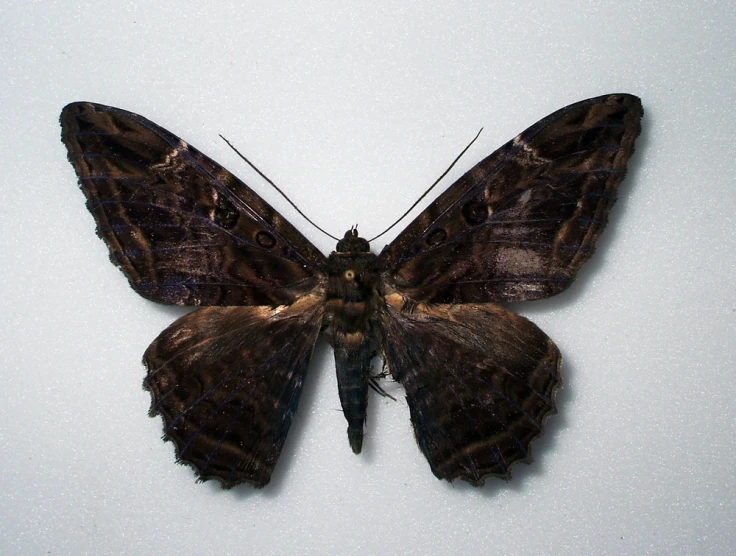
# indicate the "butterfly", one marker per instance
pixel 227 377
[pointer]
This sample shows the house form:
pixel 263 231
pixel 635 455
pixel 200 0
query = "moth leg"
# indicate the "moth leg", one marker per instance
pixel 376 387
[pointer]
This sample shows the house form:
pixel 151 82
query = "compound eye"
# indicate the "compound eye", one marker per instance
pixel 349 275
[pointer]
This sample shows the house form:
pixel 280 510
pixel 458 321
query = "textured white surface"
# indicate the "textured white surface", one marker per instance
pixel 354 110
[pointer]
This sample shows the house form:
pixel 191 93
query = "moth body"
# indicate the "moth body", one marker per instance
pixel 350 325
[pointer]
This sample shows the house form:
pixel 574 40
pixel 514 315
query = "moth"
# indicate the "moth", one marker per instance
pixel 227 377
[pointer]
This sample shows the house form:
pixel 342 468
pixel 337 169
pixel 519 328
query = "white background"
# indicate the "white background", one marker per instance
pixel 354 109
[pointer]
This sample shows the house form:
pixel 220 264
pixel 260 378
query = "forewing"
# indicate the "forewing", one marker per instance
pixel 183 229
pixel 227 382
pixel 520 224
pixel 479 382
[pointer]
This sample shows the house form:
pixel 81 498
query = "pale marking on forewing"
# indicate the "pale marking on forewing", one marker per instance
pixel 171 154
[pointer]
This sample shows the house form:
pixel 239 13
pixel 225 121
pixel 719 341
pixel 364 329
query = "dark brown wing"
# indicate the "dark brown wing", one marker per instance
pixel 227 382
pixel 479 381
pixel 521 223
pixel 183 229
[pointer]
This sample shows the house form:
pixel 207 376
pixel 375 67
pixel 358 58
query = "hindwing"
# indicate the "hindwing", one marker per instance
pixel 479 382
pixel 227 381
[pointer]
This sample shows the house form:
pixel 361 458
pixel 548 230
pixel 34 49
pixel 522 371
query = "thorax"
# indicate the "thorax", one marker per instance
pixel 352 297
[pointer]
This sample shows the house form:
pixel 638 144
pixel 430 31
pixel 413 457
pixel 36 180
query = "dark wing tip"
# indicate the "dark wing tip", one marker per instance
pixel 72 110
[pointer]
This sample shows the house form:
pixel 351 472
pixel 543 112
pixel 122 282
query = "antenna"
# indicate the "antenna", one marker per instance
pixel 430 187
pixel 276 187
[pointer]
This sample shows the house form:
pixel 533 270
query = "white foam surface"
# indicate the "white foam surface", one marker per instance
pixel 354 109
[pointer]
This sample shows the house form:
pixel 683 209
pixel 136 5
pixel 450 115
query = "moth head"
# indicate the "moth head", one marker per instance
pixel 351 243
